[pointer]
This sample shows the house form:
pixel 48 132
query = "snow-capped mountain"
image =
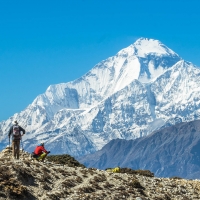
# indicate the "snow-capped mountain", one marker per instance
pixel 142 88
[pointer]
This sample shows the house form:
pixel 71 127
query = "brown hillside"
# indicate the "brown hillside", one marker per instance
pixel 29 179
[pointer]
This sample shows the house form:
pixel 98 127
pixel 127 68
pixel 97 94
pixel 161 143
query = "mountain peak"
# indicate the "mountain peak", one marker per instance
pixel 146 46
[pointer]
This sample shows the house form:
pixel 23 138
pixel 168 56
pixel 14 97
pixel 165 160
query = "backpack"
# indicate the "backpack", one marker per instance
pixel 16 132
pixel 114 170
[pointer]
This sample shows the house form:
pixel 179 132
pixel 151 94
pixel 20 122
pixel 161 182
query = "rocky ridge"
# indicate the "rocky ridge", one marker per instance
pixel 29 179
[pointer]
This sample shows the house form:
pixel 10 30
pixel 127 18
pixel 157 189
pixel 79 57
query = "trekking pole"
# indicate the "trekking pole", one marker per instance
pixel 22 145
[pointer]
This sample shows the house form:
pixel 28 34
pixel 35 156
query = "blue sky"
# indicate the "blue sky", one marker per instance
pixel 50 42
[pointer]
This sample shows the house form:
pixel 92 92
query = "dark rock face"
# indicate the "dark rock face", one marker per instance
pixel 172 151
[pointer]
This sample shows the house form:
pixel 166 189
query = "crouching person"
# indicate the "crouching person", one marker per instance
pixel 40 152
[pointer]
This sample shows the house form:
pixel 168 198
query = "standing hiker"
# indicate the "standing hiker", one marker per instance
pixel 16 132
pixel 40 152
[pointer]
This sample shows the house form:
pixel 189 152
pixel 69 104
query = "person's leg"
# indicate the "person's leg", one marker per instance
pixel 35 157
pixel 39 157
pixel 42 157
pixel 17 148
pixel 13 149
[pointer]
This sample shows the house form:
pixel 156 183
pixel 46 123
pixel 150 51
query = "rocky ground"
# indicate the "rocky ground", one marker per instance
pixel 64 178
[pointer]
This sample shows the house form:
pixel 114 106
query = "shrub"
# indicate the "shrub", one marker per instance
pixel 64 159
pixel 88 189
pixel 139 172
pixel 175 177
pixel 135 184
pixel 68 183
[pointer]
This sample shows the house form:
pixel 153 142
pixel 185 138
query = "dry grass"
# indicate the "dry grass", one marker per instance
pixel 10 185
pixel 68 183
pixel 135 184
pixel 108 185
pixel 34 180
pixel 87 189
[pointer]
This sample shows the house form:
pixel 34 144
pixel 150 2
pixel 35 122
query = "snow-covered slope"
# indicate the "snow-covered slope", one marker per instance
pixel 142 88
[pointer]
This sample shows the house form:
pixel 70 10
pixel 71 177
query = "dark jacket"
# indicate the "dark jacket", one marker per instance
pixel 10 133
pixel 39 150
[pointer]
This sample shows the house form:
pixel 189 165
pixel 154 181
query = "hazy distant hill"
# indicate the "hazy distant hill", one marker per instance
pixel 172 151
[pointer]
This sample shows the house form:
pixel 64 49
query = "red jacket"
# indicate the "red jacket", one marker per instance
pixel 39 150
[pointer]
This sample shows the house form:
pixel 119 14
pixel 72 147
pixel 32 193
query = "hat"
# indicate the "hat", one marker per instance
pixel 15 122
pixel 42 144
